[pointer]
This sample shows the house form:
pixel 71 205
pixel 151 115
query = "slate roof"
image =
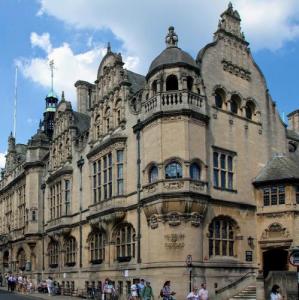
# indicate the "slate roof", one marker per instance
pixel 291 134
pixel 81 121
pixel 137 81
pixel 172 56
pixel 280 168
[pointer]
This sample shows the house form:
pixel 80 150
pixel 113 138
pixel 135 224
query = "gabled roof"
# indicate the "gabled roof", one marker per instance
pixel 137 81
pixel 279 168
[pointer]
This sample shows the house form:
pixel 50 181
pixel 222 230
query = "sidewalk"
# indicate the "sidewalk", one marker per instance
pixel 38 295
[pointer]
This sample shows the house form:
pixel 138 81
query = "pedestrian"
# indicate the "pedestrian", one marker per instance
pixel 166 292
pixel 49 282
pixel 275 295
pixel 140 287
pixel 203 292
pixel 108 289
pixel 134 290
pixel 147 292
pixel 194 295
pixel 9 283
pixel 1 280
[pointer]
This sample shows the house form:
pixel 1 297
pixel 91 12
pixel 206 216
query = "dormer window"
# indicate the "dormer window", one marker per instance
pixel 274 195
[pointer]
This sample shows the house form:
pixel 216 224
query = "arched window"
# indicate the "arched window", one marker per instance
pixel 172 83
pixel 125 242
pixel 189 83
pixel 195 171
pixel 249 109
pixel 21 259
pixel 97 126
pixel 235 103
pixel 53 254
pixel 70 251
pixel 221 237
pixel 173 170
pixel 97 247
pixel 154 87
pixel 107 119
pixel 219 98
pixel 153 174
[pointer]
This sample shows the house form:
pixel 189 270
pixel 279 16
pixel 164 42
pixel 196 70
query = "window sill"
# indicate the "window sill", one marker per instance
pixel 70 264
pixel 96 261
pixel 121 259
pixel 225 189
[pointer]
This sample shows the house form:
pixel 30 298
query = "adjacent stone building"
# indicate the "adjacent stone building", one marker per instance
pixel 192 159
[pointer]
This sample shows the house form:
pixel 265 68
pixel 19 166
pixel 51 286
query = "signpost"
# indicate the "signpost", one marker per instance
pixel 189 266
pixel 294 260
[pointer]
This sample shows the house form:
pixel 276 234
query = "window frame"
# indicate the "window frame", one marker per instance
pixel 125 242
pixel 179 170
pixel 96 243
pixel 274 195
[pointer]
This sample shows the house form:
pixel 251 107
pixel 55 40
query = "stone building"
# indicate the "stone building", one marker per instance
pixel 191 159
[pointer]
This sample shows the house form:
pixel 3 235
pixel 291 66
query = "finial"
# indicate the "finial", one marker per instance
pixel 230 5
pixel 40 126
pixel 51 64
pixel 108 47
pixel 171 38
pixel 62 96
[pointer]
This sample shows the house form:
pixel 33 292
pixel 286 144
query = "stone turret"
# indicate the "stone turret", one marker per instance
pixel 293 118
pixel 230 24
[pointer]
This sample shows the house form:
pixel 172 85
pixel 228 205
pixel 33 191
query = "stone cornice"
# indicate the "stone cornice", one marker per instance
pixel 62 171
pixel 183 112
pixel 112 140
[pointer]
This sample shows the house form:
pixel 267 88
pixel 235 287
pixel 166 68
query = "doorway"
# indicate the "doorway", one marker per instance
pixel 275 260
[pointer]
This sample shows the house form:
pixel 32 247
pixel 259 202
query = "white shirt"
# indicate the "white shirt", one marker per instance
pixel 204 294
pixel 275 296
pixel 134 290
pixel 193 296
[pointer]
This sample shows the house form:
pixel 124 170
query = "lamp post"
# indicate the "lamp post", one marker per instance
pixel 189 266
pixel 80 164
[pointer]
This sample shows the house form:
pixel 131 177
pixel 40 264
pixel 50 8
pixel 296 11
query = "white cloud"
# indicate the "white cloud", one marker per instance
pixel 142 25
pixel 2 160
pixel 69 66
pixel 41 41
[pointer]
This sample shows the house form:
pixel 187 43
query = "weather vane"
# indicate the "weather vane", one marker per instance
pixel 51 64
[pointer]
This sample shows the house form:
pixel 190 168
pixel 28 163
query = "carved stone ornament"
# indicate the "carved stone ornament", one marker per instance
pixel 275 231
pixel 195 219
pixel 174 219
pixel 174 240
pixel 173 185
pixel 236 70
pixel 153 222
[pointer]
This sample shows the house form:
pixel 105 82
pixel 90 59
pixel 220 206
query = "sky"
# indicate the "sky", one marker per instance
pixel 74 33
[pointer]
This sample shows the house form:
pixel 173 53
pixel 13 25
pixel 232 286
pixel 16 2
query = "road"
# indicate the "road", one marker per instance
pixel 11 296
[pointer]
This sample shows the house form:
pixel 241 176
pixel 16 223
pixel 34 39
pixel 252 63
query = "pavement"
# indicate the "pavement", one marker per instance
pixel 5 295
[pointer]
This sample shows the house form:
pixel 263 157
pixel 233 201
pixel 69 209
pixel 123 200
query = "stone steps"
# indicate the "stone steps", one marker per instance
pixel 247 294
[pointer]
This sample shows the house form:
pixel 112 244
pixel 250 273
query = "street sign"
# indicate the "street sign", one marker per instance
pixel 294 258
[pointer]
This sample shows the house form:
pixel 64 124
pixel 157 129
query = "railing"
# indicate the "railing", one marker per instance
pixel 235 283
pixel 174 99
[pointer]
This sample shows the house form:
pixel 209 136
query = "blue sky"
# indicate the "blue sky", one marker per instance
pixel 75 32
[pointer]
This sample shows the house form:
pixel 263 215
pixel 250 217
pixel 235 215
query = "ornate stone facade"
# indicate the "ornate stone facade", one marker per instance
pixel 150 170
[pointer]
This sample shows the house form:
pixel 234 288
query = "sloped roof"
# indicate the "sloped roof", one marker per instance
pixel 81 121
pixel 292 135
pixel 137 81
pixel 280 168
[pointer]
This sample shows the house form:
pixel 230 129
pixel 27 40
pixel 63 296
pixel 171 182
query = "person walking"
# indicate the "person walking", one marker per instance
pixel 203 292
pixel 49 282
pixel 134 290
pixel 194 295
pixel 1 279
pixel 147 292
pixel 275 295
pixel 166 292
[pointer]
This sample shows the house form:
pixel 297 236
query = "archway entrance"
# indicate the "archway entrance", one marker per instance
pixel 275 260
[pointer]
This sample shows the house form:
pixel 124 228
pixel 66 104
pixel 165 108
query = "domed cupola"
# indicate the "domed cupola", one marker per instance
pixel 172 56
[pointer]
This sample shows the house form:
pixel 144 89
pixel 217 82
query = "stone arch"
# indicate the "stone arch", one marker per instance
pixel 172 83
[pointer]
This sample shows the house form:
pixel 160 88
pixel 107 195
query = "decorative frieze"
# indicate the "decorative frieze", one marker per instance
pixel 236 70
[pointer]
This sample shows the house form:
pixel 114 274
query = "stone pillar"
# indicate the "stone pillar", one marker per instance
pixel 260 288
